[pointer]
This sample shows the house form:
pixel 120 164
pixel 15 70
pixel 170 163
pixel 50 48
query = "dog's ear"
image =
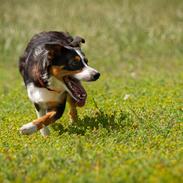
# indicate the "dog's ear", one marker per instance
pixel 43 60
pixel 77 41
pixel 53 46
pixel 55 49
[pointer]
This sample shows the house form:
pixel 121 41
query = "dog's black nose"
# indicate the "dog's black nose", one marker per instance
pixel 96 76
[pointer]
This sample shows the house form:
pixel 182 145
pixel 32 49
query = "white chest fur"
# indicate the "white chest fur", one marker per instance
pixel 43 95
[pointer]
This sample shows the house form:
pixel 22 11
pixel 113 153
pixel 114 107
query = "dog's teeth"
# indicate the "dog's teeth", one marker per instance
pixel 83 95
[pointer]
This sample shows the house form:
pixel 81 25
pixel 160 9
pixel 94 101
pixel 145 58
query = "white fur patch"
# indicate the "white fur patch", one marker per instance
pixel 87 73
pixel 42 95
pixel 38 51
pixel 28 129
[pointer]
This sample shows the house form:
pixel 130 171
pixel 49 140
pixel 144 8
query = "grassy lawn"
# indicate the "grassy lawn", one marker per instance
pixel 131 129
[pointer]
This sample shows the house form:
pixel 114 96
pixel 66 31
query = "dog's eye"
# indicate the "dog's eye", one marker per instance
pixel 74 65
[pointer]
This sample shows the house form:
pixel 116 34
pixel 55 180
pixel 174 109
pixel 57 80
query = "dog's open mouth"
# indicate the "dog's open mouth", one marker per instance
pixel 76 89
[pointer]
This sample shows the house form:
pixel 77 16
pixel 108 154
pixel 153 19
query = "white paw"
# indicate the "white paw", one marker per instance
pixel 45 131
pixel 28 129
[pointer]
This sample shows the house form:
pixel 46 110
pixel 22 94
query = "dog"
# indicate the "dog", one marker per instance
pixel 53 66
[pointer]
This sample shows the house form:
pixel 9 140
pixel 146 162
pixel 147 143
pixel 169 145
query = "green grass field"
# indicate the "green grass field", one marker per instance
pixel 131 129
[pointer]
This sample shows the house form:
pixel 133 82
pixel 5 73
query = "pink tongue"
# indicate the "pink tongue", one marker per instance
pixel 79 90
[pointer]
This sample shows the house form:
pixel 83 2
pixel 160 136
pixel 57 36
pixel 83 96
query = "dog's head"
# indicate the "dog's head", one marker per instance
pixel 69 65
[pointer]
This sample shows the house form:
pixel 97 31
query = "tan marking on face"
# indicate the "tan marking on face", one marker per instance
pixel 56 71
pixel 59 72
pixel 77 58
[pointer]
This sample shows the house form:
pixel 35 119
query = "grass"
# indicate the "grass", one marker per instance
pixel 137 46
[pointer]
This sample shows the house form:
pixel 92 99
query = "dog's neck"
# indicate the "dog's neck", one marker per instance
pixel 56 85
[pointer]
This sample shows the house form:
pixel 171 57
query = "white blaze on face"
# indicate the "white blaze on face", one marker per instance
pixel 87 72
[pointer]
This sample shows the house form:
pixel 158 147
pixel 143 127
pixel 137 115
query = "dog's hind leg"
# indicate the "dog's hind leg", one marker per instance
pixel 50 117
pixel 73 110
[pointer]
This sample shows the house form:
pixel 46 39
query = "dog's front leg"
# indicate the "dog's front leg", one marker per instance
pixel 50 117
pixel 73 110
pixel 39 123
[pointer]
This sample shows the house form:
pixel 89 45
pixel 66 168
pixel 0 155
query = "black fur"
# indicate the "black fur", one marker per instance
pixel 53 48
pixel 59 110
pixel 37 107
pixel 49 56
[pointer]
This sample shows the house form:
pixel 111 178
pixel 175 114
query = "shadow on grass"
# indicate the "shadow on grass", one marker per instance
pixel 98 119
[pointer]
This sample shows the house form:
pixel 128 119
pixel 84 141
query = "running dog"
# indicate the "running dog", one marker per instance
pixel 53 66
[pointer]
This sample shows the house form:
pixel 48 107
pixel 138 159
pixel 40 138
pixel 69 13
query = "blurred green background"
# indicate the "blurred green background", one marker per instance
pixel 131 127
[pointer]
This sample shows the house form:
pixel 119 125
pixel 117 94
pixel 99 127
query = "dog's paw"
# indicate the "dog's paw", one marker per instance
pixel 28 129
pixel 45 131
